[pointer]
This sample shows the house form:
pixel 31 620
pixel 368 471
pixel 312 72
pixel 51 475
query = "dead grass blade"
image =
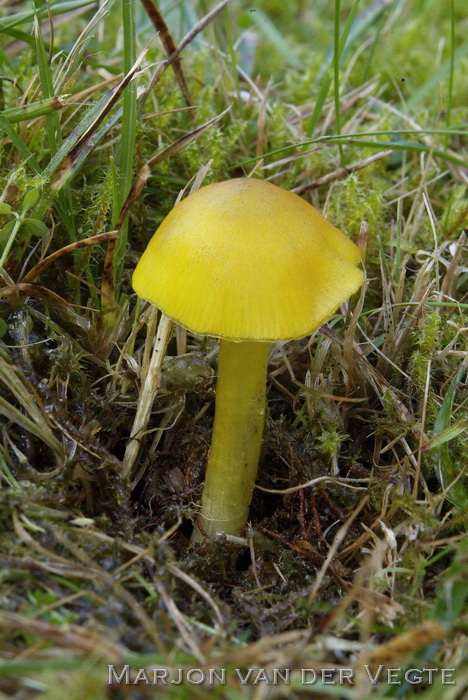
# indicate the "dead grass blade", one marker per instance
pixel 84 243
pixel 196 29
pixel 64 161
pixel 338 539
pixel 138 610
pixel 180 622
pixel 404 644
pixel 168 42
pixel 340 173
pixel 152 380
pixel 388 321
pixel 175 147
pixel 32 417
pixel 79 639
pixel 37 290
pixel 449 283
pixel 183 576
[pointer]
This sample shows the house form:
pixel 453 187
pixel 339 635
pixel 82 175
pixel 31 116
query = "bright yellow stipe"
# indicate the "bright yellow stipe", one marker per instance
pixel 244 259
pixel 237 437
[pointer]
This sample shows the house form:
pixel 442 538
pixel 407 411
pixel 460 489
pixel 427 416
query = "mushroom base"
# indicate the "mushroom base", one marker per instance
pixel 237 437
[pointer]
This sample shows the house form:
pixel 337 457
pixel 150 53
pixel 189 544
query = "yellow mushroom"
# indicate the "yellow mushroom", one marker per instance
pixel 249 263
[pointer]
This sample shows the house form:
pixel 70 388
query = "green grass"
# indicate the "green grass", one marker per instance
pixel 96 569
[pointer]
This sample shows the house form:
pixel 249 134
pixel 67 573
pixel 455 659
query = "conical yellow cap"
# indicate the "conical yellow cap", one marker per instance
pixel 244 259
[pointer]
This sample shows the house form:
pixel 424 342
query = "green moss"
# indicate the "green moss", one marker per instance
pixel 329 442
pixel 426 338
pixel 355 200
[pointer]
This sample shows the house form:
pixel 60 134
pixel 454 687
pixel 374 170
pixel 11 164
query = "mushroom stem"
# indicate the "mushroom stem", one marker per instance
pixel 237 437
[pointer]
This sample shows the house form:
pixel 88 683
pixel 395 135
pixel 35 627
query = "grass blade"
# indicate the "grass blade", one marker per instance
pixel 20 146
pixel 443 432
pixel 57 8
pixel 336 74
pixel 128 137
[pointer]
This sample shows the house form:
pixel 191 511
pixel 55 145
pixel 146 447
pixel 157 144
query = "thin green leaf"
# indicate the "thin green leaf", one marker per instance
pixel 71 62
pixel 51 121
pixel 30 199
pixel 35 227
pixel 448 434
pixel 327 80
pixel 443 432
pixel 55 8
pixel 357 139
pixel 80 136
pixel 433 82
pixel 274 36
pixel 20 146
pixel 127 140
pixel 9 233
pixel 336 74
pixel 451 68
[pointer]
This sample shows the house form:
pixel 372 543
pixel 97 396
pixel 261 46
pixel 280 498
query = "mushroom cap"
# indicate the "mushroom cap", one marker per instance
pixel 247 260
